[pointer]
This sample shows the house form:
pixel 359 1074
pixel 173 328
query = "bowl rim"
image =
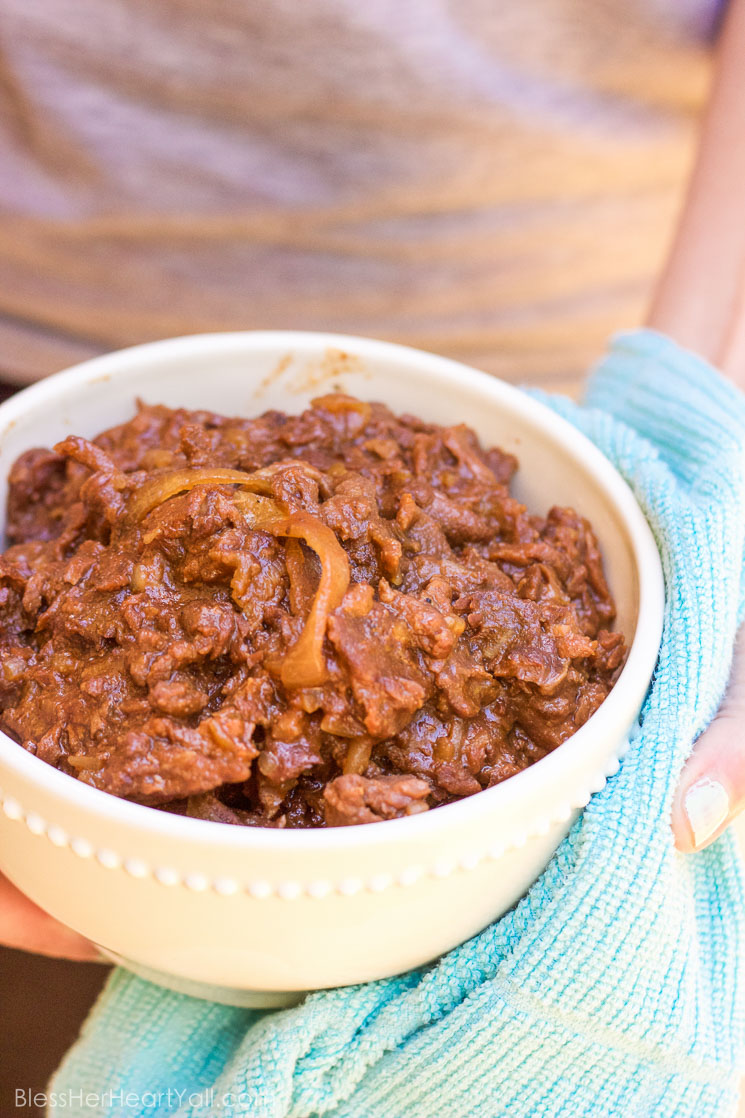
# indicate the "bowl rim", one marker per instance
pixel 634 678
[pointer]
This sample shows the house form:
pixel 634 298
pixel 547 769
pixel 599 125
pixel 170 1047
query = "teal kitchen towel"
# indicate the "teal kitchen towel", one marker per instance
pixel 615 987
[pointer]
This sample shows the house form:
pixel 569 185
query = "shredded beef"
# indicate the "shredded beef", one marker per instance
pixel 359 625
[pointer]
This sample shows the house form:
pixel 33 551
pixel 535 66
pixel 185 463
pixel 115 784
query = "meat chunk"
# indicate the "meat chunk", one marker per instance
pixel 384 675
pixel 354 799
pixel 326 619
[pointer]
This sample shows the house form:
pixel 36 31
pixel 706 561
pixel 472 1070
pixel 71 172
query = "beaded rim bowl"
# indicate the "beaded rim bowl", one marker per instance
pixel 492 844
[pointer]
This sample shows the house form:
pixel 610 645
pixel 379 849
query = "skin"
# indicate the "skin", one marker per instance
pixel 700 302
pixel 24 925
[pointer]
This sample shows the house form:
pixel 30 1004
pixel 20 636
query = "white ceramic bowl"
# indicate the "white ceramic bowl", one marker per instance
pixel 254 916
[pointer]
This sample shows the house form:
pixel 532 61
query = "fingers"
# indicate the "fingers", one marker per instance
pixel 712 786
pixel 26 926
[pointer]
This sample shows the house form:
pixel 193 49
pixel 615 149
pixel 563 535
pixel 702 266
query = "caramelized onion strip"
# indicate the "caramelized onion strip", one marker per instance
pixel 304 665
pixel 160 489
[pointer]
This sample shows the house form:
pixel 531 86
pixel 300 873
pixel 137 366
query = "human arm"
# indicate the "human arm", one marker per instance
pixel 700 302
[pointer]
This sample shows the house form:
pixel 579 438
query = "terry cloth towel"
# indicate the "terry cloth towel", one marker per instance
pixel 615 987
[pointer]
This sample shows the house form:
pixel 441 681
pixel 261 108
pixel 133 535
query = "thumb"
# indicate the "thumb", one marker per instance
pixel 711 791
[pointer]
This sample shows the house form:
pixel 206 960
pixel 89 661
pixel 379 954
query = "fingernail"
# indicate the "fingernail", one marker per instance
pixel 707 806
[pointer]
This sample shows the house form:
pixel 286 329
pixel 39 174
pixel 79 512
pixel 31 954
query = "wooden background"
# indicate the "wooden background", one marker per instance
pixel 493 182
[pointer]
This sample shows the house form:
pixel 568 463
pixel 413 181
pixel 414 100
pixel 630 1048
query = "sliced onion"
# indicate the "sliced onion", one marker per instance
pixel 358 756
pixel 160 489
pixel 304 665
